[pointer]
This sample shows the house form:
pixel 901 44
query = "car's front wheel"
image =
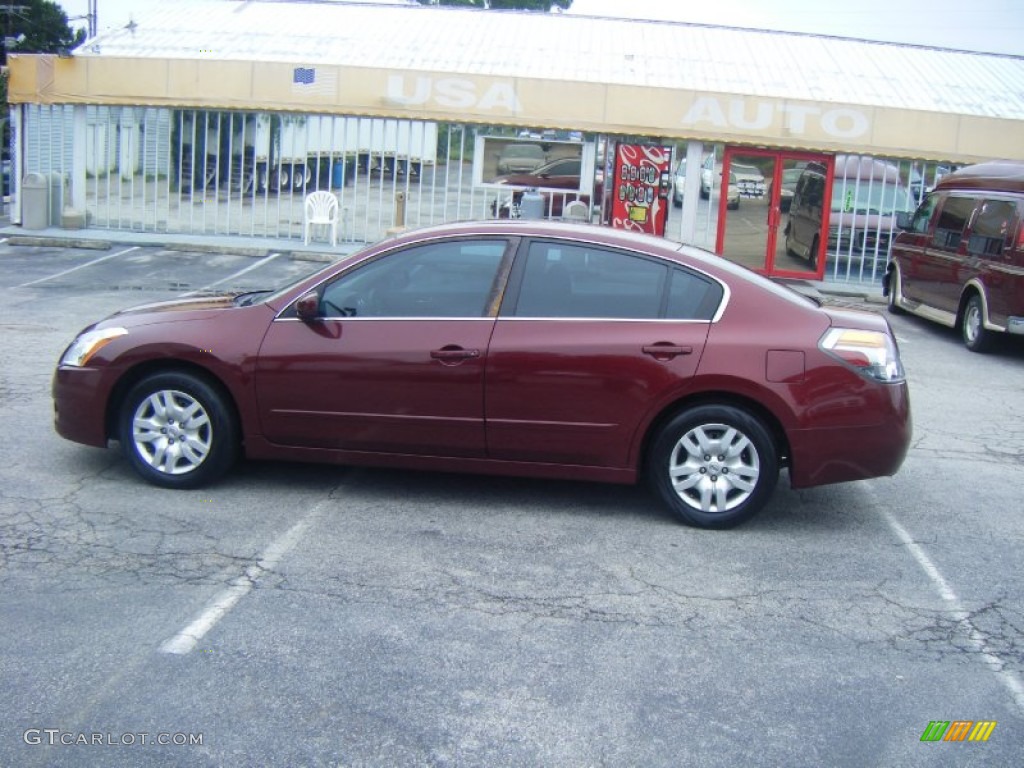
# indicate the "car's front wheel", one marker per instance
pixel 177 430
pixel 895 291
pixel 715 466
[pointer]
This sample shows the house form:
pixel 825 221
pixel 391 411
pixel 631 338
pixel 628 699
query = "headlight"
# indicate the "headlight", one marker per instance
pixel 88 344
pixel 871 353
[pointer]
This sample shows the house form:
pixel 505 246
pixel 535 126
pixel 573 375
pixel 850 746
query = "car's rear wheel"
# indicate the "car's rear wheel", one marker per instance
pixel 972 326
pixel 715 466
pixel 177 430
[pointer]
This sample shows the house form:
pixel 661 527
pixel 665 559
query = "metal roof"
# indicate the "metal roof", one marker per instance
pixel 577 49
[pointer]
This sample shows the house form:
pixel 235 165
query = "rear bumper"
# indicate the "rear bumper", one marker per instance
pixel 839 454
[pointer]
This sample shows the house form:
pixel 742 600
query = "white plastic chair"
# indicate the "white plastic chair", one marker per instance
pixel 576 210
pixel 321 209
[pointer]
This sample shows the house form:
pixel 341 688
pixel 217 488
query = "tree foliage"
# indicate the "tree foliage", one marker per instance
pixel 514 5
pixel 44 25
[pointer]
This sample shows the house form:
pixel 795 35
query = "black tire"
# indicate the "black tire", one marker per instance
pixel 812 255
pixel 895 292
pixel 972 328
pixel 716 490
pixel 789 248
pixel 177 430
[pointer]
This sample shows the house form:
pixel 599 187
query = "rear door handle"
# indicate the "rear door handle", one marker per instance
pixel 663 350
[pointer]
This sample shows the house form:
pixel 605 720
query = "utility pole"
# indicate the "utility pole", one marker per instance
pixel 90 19
pixel 10 10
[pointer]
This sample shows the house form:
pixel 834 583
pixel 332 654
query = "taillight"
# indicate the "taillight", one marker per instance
pixel 872 353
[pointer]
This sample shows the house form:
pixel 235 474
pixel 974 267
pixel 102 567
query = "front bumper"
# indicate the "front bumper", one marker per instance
pixel 78 412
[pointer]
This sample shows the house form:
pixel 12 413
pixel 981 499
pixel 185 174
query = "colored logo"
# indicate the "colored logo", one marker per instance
pixel 958 730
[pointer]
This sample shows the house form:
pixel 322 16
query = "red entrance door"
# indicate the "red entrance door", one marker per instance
pixel 753 209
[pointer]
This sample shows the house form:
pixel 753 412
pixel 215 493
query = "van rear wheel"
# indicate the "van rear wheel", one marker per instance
pixel 976 337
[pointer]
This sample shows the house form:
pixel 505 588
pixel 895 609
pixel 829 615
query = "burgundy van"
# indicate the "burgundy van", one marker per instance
pixel 960 260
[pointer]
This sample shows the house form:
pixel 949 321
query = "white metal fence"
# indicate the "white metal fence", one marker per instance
pixel 148 169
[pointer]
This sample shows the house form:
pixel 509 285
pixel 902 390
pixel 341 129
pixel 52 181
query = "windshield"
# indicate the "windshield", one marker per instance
pixel 870 197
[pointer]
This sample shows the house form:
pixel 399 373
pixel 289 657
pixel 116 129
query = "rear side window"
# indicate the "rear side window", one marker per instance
pixel 949 229
pixel 577 281
pixel 993 228
pixel 564 280
pixel 692 297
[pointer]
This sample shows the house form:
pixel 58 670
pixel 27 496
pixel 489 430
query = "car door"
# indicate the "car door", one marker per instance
pixel 941 267
pixel 582 351
pixel 909 247
pixel 396 362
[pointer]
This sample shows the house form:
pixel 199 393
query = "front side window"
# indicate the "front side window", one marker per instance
pixel 448 279
pixel 869 196
pixel 923 214
pixel 569 167
pixel 993 228
pixel 953 217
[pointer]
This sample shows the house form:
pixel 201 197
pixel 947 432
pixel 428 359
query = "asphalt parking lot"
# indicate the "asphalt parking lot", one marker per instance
pixel 309 615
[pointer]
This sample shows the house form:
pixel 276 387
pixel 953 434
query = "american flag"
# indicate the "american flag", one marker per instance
pixel 310 82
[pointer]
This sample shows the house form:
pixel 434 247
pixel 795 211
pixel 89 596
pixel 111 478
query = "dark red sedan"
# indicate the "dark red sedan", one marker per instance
pixel 509 347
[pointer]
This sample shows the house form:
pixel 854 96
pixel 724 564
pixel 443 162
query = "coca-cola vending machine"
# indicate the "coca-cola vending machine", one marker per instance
pixel 640 187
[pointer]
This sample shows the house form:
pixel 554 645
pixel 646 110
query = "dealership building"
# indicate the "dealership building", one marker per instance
pixel 218 118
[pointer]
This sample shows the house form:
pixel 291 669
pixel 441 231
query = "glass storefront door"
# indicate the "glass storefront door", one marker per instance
pixel 753 209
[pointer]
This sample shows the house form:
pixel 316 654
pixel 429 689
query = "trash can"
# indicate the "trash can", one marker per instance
pixel 57 182
pixel 531 206
pixel 35 201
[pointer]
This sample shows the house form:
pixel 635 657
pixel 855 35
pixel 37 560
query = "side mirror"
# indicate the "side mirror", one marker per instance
pixel 308 307
pixel 903 219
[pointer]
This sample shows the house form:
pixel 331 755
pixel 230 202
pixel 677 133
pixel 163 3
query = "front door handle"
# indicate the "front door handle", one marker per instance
pixel 453 354
pixel 664 350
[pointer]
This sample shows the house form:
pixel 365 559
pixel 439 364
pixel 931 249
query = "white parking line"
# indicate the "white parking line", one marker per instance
pixel 80 266
pixel 185 641
pixel 239 273
pixel 977 640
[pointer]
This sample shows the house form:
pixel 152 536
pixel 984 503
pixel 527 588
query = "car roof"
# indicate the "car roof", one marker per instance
pixel 997 175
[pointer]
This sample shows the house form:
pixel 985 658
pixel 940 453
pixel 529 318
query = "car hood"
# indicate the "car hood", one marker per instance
pixel 171 310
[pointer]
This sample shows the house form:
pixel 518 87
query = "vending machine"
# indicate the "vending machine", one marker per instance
pixel 640 177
